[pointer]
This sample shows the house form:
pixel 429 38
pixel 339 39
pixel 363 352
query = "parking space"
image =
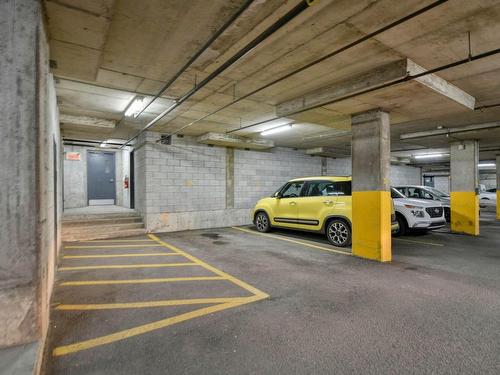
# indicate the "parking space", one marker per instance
pixel 144 305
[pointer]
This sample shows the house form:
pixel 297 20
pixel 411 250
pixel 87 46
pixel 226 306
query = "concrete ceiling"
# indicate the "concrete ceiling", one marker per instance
pixel 105 52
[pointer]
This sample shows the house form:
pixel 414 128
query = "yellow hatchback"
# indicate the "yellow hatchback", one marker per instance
pixel 320 204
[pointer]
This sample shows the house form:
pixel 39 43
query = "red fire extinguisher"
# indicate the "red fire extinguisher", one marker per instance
pixel 125 182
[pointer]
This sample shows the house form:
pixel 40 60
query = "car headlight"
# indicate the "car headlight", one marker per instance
pixel 416 210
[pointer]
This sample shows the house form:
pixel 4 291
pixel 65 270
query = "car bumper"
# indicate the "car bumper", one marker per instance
pixel 429 224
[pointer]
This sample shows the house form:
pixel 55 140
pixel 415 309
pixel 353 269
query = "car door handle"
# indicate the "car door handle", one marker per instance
pixel 327 202
pixel 292 203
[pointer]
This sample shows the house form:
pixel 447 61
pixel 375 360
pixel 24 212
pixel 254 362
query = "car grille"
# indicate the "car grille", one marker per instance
pixel 435 211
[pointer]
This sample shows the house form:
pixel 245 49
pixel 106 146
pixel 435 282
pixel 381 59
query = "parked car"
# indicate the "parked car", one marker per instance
pixel 320 204
pixel 417 214
pixel 487 198
pixel 429 193
pixel 494 190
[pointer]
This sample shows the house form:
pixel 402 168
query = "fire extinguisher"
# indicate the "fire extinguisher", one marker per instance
pixel 125 182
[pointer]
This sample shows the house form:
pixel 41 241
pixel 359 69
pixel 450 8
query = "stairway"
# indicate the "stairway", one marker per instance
pixel 79 227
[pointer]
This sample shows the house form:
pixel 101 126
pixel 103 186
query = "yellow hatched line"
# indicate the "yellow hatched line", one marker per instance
pixel 108 339
pixel 145 304
pixel 331 250
pixel 224 275
pixel 140 281
pixel 119 266
pixel 117 255
pixel 107 246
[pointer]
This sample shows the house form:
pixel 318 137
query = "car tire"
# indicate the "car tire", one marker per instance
pixel 262 222
pixel 338 233
pixel 403 226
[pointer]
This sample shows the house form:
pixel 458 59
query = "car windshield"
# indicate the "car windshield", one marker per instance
pixel 396 193
pixel 437 192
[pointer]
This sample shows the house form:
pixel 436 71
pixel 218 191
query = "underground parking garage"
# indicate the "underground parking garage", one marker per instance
pixel 249 187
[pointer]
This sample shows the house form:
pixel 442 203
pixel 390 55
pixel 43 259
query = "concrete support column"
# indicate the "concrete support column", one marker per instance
pixel 464 187
pixel 498 186
pixel 229 177
pixel 371 199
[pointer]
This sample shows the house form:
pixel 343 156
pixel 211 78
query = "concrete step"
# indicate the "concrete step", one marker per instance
pixel 77 217
pixel 103 236
pixel 101 221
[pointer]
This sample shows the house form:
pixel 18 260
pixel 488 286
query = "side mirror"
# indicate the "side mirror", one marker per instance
pixel 277 195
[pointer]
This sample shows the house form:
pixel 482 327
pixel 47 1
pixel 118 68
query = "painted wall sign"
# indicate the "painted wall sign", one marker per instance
pixel 73 156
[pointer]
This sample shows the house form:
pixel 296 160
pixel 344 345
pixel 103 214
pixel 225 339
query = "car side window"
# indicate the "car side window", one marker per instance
pixel 426 195
pixel 413 193
pixel 292 190
pixel 320 188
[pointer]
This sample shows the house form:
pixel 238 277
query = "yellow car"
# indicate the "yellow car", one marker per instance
pixel 320 204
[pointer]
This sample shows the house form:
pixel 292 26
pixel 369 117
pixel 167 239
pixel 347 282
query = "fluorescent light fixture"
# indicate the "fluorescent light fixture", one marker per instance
pixel 486 165
pixel 429 156
pixel 135 106
pixel 277 129
pixel 103 144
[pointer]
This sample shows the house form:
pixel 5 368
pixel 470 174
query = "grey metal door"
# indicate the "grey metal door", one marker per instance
pixel 101 177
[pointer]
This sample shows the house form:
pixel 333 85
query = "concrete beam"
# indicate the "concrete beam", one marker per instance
pixel 87 121
pixel 377 77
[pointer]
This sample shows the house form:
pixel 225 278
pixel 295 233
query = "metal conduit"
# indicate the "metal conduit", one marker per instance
pixel 321 59
pixel 380 87
pixel 298 9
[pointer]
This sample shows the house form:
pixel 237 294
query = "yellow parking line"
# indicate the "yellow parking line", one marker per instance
pixel 332 250
pixel 117 255
pixel 224 275
pixel 140 281
pixel 111 240
pixel 107 246
pixel 67 349
pixel 137 305
pixel 119 266
pixel 419 242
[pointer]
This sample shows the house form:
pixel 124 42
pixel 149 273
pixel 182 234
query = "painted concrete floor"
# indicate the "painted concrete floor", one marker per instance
pixel 293 305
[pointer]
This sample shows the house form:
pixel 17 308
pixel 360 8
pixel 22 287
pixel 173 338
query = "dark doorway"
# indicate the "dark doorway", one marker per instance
pixel 132 181
pixel 101 185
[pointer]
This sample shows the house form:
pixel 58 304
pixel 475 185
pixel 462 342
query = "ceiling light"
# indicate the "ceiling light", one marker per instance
pixel 429 156
pixel 103 144
pixel 278 129
pixel 486 165
pixel 135 107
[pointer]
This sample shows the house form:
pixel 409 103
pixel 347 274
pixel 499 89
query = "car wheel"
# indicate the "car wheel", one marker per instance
pixel 338 233
pixel 403 226
pixel 262 222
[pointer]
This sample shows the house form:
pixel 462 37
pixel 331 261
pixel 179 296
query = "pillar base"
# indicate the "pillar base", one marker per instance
pixel 371 217
pixel 465 212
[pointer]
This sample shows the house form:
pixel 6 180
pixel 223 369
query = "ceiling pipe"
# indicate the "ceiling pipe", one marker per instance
pixel 382 86
pixel 298 9
pixel 448 131
pixel 193 58
pixel 321 59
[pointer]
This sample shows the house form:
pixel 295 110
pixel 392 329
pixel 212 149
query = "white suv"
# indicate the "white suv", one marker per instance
pixel 416 214
pixel 428 193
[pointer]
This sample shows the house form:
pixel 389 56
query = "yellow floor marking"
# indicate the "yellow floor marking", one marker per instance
pixel 221 303
pixel 137 305
pixel 332 250
pixel 117 255
pixel 107 246
pixel 140 281
pixel 119 266
pixel 419 242
pixel 67 349
pixel 111 240
pixel 192 258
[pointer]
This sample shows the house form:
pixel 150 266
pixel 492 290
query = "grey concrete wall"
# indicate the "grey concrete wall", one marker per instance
pixel 18 158
pixel 405 175
pixel 442 183
pixel 30 199
pixel 75 177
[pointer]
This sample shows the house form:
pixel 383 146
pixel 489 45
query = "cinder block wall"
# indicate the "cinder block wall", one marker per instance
pixel 184 185
pixel 405 175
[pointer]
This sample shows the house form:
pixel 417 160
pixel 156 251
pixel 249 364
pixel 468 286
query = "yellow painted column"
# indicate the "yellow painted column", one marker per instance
pixel 371 213
pixel 465 212
pixel 498 186
pixel 371 199
pixel 464 158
